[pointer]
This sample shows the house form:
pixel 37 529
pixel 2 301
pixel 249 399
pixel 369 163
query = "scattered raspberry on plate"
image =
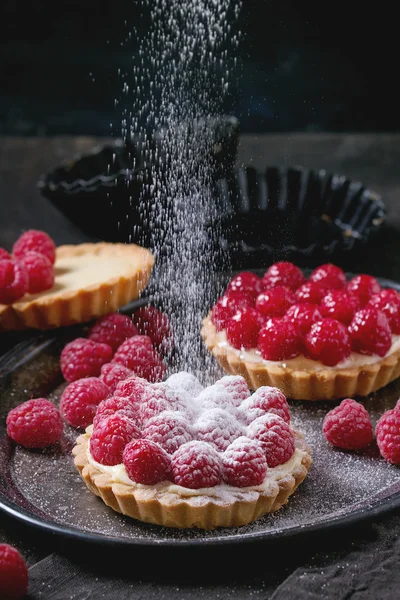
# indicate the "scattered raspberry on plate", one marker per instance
pixel 13 573
pixel 155 324
pixel 35 423
pixel 138 354
pixel 83 358
pixel 348 426
pixel 112 330
pixel 387 432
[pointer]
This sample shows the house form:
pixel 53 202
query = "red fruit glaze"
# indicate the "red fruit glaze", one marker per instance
pixel 196 465
pixel 330 276
pixel 110 437
pixel 275 301
pixel 35 424
pixel 388 435
pixel 279 340
pixel 35 240
pixel 13 281
pixel 364 287
pixel 327 341
pixel 226 307
pixel 80 399
pixel 13 574
pixel 138 355
pixel 264 400
pixel 370 332
pixel 169 430
pixel 243 328
pixel 244 463
pixel 303 315
pixel 275 436
pixel 113 329
pixel 40 272
pixel 348 426
pixel 339 305
pixel 154 323
pixel 283 273
pixel 388 301
pixel 146 462
pixel 83 358
pixel 311 291
pixel 112 373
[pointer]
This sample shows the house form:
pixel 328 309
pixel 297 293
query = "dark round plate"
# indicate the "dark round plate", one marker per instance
pixel 43 488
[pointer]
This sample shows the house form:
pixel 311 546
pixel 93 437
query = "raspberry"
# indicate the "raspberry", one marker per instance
pixel 328 342
pixel 244 463
pixel 169 430
pixel 154 323
pixel 133 388
pixel 158 398
pixel 186 382
pixel 110 437
pixel 245 282
pixel 113 405
pixel 388 301
pixel 4 255
pixel 275 436
pixel 370 332
pixel 13 281
pixel 113 329
pixel 303 315
pixel 217 427
pixel 348 426
pixel 216 396
pixel 13 573
pixel 83 358
pixel 311 291
pixel 364 287
pixel 264 400
pixel 79 401
pixel 146 462
pixel 36 241
pixel 112 373
pixel 275 301
pixel 35 424
pixel 237 387
pixel 243 328
pixel 40 272
pixel 196 465
pixel 138 355
pixel 279 340
pixel 330 276
pixel 226 307
pixel 339 305
pixel 387 432
pixel 283 273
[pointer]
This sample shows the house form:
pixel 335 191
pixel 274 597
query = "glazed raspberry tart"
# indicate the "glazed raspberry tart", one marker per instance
pixel 90 280
pixel 321 338
pixel 179 455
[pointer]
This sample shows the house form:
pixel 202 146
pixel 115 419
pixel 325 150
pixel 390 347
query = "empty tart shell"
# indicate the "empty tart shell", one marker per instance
pixel 151 504
pixel 319 384
pixel 91 280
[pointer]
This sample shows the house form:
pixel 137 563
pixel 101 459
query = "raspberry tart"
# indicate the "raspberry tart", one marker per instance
pixel 179 455
pixel 321 338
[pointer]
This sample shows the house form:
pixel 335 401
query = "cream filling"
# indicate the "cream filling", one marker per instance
pixel 222 491
pixel 301 363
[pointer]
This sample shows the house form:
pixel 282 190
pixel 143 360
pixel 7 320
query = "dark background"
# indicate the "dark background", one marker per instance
pixel 303 66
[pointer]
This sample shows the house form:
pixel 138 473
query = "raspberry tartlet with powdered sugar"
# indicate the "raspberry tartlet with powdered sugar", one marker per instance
pixel 179 455
pixel 321 338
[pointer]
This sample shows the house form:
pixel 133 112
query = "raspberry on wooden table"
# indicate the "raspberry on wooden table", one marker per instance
pixel 13 573
pixel 40 272
pixel 217 427
pixel 14 281
pixel 243 328
pixel 112 329
pixel 36 423
pixel 245 282
pixel 364 287
pixel 146 462
pixel 348 426
pixel 35 240
pixel 170 429
pixel 303 315
pixel 155 323
pixel 387 433
pixel 244 463
pixel 80 399
pixel 388 301
pixel 311 291
pixel 115 404
pixel 237 387
pixel 226 307
pixel 275 436
pixel 109 438
pixel 4 255
pixel 265 400
pixel 196 465
pixel 138 354
pixel 83 358
pixel 186 382
pixel 340 305
pixel 330 276
pixel 275 301
pixel 283 273
pixel 279 340
pixel 328 341
pixel 112 373
pixel 370 332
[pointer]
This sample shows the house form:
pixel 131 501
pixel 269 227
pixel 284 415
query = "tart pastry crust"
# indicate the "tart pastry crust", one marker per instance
pixel 322 384
pixel 146 504
pixel 90 280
